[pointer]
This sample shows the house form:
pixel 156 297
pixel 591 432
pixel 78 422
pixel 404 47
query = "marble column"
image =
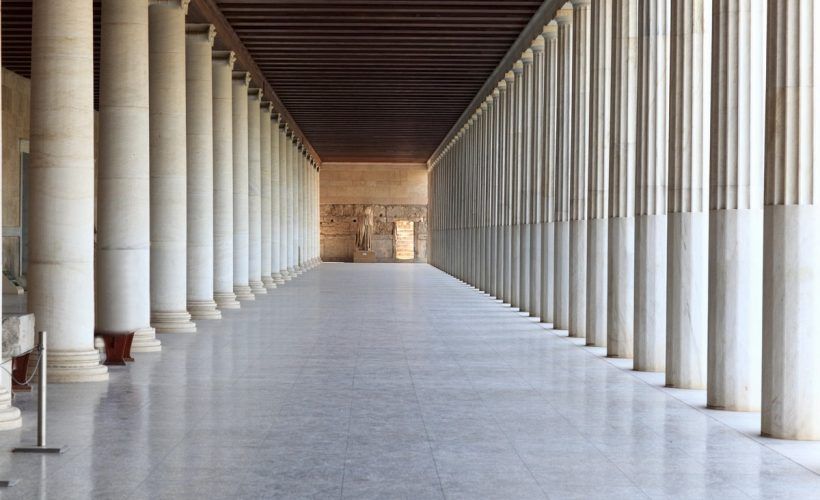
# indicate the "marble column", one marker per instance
pixel 509 186
pixel 169 184
pixel 688 217
pixel 283 202
pixel 736 206
pixel 123 266
pixel 221 70
pixel 255 193
pixel 61 189
pixel 650 187
pixel 291 191
pixel 493 191
pixel 622 157
pixel 241 242
pixel 516 93
pixel 598 172
pixel 537 169
pixel 563 141
pixel 525 160
pixel 579 156
pixel 791 268
pixel 276 262
pixel 550 36
pixel 265 189
pixel 199 40
pixel 10 415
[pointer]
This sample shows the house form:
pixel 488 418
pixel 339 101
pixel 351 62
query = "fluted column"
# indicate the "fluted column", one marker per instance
pixel 241 242
pixel 688 219
pixel 255 193
pixel 550 36
pixel 283 202
pixel 200 148
pixel 61 189
pixel 563 141
pixel 493 193
pixel 736 206
pixel 622 158
pixel 579 156
pixel 650 187
pixel 276 262
pixel 537 169
pixel 598 172
pixel 501 254
pixel 169 184
pixel 221 69
pixel 291 193
pixel 791 267
pixel 265 190
pixel 123 265
pixel 524 163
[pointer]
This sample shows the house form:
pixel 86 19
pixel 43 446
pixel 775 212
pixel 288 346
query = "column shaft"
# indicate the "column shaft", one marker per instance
pixel 241 242
pixel 550 127
pixel 562 166
pixel 255 193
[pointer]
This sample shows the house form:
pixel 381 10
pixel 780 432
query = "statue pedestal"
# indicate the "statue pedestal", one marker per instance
pixel 364 256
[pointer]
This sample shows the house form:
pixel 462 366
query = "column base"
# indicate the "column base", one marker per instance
pixel 268 282
pixel 226 300
pixel 258 288
pixel 172 322
pixel 243 292
pixel 75 366
pixel 290 274
pixel 203 309
pixel 278 279
pixel 9 415
pixel 145 340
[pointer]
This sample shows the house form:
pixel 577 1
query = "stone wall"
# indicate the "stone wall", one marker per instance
pixel 396 191
pixel 340 221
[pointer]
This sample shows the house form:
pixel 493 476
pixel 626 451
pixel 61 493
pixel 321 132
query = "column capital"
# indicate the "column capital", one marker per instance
pixel 509 77
pixel 518 67
pixel 526 58
pixel 580 3
pixel 564 14
pixel 550 31
pixel 255 93
pixel 228 56
pixel 206 31
pixel 183 4
pixel 538 44
pixel 242 75
pixel 267 106
pixel 497 92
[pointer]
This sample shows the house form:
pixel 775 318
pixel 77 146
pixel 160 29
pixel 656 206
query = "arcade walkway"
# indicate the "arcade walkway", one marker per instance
pixel 390 381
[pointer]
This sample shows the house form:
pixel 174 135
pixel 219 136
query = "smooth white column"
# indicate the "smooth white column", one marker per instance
pixel 688 219
pixel 265 169
pixel 598 172
pixel 736 203
pixel 291 193
pixel 791 267
pixel 255 193
pixel 9 415
pixel 123 265
pixel 61 188
pixel 622 158
pixel 241 242
pixel 550 127
pixel 222 68
pixel 650 187
pixel 199 40
pixel 169 235
pixel 276 202
pixel 562 166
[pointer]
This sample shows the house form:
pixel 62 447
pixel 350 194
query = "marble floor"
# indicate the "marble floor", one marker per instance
pixel 389 381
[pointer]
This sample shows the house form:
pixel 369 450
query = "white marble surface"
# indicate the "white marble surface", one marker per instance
pixel 312 392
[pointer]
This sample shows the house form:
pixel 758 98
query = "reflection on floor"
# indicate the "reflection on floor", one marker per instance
pixel 388 381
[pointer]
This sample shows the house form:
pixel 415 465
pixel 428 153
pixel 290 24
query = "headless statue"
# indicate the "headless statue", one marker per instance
pixel 364 234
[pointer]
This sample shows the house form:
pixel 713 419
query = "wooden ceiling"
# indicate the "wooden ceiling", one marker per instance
pixel 377 80
pixel 366 80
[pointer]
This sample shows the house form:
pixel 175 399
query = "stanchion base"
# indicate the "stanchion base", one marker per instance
pixel 40 449
pixel 8 483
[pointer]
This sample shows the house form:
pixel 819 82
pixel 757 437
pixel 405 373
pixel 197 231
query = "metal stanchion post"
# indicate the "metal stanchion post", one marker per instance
pixel 41 404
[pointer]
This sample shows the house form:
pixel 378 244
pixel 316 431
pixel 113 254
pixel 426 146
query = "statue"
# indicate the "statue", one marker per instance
pixel 364 233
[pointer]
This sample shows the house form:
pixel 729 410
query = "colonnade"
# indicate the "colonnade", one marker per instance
pixel 205 196
pixel 644 178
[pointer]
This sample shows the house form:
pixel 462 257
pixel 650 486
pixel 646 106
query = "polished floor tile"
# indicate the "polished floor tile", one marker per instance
pixel 391 381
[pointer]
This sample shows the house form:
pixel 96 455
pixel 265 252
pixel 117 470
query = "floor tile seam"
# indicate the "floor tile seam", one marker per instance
pixel 634 375
pixel 424 422
pixel 350 419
